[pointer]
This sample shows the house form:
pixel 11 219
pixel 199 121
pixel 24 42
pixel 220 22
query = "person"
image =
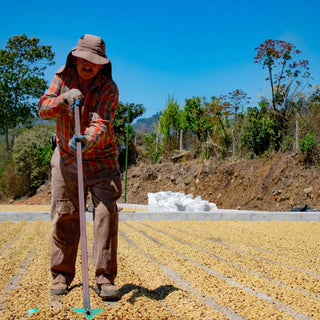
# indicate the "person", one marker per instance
pixel 86 77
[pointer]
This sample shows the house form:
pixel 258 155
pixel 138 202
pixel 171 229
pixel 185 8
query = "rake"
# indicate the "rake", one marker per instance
pixel 86 311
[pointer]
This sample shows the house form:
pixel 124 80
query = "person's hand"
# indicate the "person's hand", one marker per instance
pixel 72 95
pixel 82 138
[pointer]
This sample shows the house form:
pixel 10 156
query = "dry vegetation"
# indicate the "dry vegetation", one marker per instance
pixel 175 270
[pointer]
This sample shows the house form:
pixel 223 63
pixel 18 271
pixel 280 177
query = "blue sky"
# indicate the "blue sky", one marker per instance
pixel 177 48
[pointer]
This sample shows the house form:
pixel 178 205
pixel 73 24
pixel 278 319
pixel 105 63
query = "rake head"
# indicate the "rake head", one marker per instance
pixel 88 313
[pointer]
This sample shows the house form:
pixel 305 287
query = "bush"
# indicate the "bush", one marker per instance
pixel 308 146
pixel 261 130
pixel 31 155
pixel 308 143
pixel 12 184
pixel 153 149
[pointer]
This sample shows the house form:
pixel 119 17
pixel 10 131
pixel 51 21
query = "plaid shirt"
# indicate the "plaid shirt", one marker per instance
pixel 97 113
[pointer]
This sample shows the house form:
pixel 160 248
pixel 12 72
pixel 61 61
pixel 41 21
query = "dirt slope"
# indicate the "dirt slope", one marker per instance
pixel 280 182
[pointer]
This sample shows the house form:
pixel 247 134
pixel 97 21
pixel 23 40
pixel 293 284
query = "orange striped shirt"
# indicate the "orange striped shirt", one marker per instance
pixel 97 113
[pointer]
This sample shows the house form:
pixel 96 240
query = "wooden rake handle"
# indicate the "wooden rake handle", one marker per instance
pixel 83 234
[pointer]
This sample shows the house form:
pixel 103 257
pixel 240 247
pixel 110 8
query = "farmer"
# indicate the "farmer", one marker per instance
pixel 86 77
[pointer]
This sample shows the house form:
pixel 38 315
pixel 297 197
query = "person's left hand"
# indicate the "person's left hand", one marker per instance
pixel 82 138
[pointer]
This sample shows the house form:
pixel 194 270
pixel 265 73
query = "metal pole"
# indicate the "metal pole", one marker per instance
pixel 127 152
pixel 83 234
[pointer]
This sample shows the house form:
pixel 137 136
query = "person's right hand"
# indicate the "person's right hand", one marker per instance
pixel 72 95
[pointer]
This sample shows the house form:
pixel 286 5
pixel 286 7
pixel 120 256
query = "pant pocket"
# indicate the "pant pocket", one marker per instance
pixel 65 206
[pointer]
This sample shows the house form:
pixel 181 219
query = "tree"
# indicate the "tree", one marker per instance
pixel 170 124
pixel 288 77
pixel 236 100
pixel 120 123
pixel 261 130
pixel 219 112
pixel 120 120
pixel 22 65
pixel 196 118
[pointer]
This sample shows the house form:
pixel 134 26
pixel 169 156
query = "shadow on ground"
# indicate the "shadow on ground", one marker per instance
pixel 159 293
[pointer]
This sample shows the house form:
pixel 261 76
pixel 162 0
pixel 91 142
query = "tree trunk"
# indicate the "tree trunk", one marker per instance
pixel 7 139
pixel 181 140
pixel 272 89
pixel 234 146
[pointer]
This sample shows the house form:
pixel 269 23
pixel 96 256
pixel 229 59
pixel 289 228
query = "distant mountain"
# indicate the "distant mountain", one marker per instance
pixel 147 125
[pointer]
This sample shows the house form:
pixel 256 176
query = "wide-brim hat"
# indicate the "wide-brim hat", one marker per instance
pixel 91 48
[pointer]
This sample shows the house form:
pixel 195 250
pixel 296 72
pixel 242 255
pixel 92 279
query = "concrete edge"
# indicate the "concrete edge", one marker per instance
pixel 220 214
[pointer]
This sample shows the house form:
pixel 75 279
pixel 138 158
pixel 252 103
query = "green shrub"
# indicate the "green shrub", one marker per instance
pixel 153 149
pixel 308 143
pixel 31 155
pixel 261 130
pixel 13 185
pixel 308 146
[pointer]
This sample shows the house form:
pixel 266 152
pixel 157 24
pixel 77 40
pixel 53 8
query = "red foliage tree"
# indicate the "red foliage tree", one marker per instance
pixel 288 77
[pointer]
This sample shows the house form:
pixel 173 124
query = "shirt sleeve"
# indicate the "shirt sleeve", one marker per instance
pixel 52 103
pixel 101 120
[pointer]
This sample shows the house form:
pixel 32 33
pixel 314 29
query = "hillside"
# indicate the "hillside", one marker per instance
pixel 278 183
pixel 146 125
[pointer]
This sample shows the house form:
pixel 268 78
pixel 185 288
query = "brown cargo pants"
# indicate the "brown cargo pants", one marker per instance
pixel 105 188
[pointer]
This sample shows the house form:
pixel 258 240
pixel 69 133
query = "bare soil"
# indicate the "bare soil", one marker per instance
pixel 277 183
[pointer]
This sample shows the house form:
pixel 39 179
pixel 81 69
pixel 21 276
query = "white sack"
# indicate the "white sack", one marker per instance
pixel 168 201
